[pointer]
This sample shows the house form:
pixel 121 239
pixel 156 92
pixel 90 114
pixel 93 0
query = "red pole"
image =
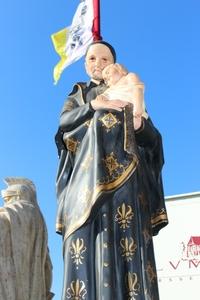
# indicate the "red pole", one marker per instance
pixel 96 23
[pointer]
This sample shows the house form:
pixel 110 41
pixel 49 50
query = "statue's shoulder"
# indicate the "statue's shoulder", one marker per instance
pixel 79 86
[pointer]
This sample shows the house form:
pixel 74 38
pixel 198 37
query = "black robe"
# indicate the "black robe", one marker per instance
pixel 110 200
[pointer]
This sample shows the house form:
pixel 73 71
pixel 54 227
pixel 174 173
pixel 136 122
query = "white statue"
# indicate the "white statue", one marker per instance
pixel 25 265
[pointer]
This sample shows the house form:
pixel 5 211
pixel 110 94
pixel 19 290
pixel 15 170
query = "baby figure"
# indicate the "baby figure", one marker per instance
pixel 125 86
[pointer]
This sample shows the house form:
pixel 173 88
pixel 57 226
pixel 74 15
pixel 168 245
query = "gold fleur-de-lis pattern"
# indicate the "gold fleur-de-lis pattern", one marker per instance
pixel 77 290
pixel 133 285
pixel 128 247
pixel 77 249
pixel 124 216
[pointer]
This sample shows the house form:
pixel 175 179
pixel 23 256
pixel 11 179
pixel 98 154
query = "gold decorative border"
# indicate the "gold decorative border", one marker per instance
pixel 159 219
pixel 103 188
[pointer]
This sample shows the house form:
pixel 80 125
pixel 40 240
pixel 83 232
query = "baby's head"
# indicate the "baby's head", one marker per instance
pixel 112 73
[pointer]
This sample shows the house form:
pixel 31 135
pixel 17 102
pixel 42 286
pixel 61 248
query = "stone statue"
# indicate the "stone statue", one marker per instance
pixel 25 265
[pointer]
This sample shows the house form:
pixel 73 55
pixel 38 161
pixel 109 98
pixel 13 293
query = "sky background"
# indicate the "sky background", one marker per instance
pixel 159 40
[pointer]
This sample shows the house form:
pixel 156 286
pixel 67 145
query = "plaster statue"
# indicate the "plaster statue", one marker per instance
pixel 109 189
pixel 25 265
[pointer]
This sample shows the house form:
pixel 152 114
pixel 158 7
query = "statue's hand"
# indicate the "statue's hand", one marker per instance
pixel 101 102
pixel 137 113
pixel 137 122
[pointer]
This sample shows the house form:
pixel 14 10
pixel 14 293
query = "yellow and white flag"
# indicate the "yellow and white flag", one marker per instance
pixel 71 42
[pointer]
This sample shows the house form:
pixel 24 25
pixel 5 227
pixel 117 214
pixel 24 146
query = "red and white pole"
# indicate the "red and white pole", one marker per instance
pixel 96 23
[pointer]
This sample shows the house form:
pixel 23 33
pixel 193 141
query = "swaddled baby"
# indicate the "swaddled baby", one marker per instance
pixel 125 86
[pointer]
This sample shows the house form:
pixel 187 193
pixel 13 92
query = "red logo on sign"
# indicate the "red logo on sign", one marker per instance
pixel 192 250
pixel 190 254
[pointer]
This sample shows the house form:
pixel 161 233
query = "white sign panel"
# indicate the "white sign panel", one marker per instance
pixel 177 250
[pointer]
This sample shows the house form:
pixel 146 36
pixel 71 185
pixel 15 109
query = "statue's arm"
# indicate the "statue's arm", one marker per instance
pixel 70 120
pixel 74 113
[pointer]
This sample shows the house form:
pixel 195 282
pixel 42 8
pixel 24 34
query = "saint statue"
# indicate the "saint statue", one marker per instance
pixel 109 189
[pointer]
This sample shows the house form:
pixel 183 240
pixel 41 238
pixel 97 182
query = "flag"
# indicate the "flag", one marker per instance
pixel 71 42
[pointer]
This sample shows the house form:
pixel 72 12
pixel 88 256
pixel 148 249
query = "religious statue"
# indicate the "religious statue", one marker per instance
pixel 109 189
pixel 25 265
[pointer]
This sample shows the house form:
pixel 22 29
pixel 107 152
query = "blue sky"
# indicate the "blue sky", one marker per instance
pixel 159 40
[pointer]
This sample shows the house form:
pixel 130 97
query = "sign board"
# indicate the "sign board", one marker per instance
pixel 177 249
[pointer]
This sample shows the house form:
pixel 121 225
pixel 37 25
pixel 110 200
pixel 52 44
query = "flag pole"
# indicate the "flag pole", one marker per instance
pixel 96 24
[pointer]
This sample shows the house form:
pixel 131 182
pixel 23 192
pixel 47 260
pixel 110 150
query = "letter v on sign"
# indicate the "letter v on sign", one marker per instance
pixel 174 266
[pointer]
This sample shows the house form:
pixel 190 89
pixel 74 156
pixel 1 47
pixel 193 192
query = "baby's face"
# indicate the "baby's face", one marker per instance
pixel 111 75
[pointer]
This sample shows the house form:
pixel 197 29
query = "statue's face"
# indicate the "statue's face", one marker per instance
pixel 98 57
pixel 111 75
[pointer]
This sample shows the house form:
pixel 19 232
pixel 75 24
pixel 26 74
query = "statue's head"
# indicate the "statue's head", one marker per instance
pixel 99 54
pixel 19 188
